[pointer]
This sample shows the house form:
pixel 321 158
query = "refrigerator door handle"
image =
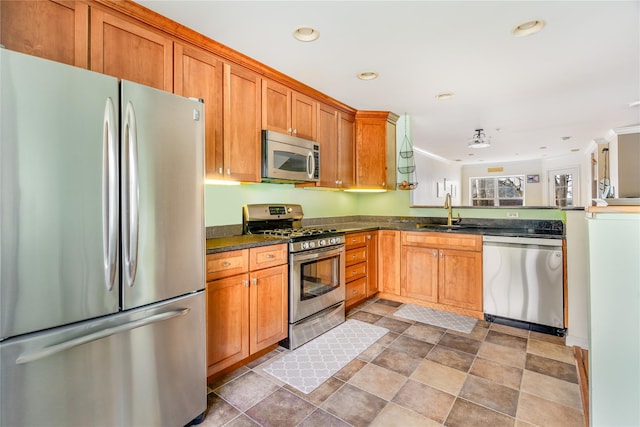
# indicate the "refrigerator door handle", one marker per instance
pixel 94 336
pixel 110 204
pixel 131 196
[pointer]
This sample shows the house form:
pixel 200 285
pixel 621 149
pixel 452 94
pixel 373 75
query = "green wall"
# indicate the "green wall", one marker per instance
pixel 224 204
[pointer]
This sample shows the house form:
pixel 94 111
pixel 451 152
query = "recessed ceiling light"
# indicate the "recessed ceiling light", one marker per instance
pixel 458 160
pixel 543 148
pixel 528 28
pixel 368 75
pixel 565 138
pixel 575 149
pixel 306 34
pixel 634 104
pixel 443 96
pixel 470 154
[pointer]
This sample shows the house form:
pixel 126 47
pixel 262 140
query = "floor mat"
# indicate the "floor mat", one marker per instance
pixel 444 319
pixel 308 366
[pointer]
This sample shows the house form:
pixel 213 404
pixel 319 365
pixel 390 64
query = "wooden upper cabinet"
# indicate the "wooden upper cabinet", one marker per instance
pixel 130 50
pixel 241 124
pixel 287 111
pixel 55 30
pixel 198 74
pixel 375 149
pixel 346 141
pixel 327 138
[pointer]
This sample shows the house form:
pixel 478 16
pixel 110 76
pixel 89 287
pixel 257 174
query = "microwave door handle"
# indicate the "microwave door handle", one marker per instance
pixel 311 165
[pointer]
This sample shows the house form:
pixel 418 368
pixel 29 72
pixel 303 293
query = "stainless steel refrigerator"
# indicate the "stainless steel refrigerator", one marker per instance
pixel 102 317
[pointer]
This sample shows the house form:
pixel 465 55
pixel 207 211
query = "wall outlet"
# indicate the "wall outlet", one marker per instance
pixel 512 214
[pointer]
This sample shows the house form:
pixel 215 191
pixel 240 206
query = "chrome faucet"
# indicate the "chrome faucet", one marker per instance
pixel 447 205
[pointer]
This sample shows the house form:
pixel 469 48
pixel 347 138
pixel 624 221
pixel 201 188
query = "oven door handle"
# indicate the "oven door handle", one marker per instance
pixel 319 253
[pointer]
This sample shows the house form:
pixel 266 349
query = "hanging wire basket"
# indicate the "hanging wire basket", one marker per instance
pixel 406 163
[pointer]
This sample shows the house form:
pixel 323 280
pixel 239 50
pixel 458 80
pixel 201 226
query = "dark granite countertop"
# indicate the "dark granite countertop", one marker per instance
pixel 244 241
pixel 547 229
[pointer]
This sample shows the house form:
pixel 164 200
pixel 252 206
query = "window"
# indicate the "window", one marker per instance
pixel 497 191
pixel 564 187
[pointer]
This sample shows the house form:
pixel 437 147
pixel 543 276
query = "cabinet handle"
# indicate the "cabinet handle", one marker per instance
pixel 290 130
pixel 354 272
pixel 220 171
pixel 246 283
pixel 384 184
pixel 228 171
pixel 368 237
pixel 441 254
pixel 435 253
pixel 295 131
pixel 254 281
pixel 271 256
pixel 226 264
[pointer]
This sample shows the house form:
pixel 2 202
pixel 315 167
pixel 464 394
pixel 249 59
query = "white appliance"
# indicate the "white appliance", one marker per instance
pixel 102 250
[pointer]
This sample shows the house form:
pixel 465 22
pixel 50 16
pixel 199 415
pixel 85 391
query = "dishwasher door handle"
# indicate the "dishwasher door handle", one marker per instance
pixel 523 241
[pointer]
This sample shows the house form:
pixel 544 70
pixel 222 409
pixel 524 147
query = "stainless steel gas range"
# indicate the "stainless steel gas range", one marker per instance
pixel 316 269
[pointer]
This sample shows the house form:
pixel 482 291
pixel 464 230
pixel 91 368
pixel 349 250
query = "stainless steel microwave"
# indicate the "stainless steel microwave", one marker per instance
pixel 287 158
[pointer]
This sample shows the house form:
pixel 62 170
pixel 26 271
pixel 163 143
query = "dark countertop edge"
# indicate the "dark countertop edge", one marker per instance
pixel 244 241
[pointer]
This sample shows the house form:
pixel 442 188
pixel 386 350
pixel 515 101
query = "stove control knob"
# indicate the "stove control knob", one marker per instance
pixel 304 245
pixel 322 242
pixel 332 241
pixel 312 245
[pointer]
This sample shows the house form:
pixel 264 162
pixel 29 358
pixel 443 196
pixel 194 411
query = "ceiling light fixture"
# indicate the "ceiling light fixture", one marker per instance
pixel 528 28
pixel 368 75
pixel 306 34
pixel 479 140
pixel 443 96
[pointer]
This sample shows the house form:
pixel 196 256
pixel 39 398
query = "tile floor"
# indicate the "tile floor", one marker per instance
pixel 416 375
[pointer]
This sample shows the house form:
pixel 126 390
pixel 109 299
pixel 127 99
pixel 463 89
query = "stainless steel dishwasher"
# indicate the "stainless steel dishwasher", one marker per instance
pixel 523 282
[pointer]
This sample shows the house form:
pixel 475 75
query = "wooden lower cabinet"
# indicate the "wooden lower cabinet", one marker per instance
pixel 361 265
pixel 246 312
pixel 389 261
pixel 443 271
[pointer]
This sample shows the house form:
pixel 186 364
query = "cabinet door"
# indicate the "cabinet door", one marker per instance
pixel 55 30
pixel 303 116
pixel 419 273
pixel 130 51
pixel 389 261
pixel 346 141
pixel 327 137
pixel 460 281
pixel 269 307
pixel 198 74
pixel 276 107
pixel 227 322
pixel 372 263
pixel 242 126
pixel 371 151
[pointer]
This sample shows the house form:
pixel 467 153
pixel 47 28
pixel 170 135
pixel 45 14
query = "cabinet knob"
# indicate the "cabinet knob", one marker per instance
pixel 384 184
pixel 368 237
pixel 441 254
pixel 271 256
pixel 290 130
pixel 295 131
pixel 245 283
pixel 220 171
pixel 226 264
pixel 254 281
pixel 435 253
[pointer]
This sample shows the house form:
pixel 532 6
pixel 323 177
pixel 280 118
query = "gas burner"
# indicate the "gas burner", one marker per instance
pixel 297 232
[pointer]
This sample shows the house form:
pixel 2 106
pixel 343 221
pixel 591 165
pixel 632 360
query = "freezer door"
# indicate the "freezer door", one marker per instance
pixel 162 167
pixel 58 232
pixel 145 367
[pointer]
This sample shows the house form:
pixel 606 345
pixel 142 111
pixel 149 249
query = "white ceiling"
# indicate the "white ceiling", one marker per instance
pixel 575 78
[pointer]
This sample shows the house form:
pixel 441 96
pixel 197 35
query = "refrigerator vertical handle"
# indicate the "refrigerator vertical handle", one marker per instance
pixel 110 203
pixel 130 186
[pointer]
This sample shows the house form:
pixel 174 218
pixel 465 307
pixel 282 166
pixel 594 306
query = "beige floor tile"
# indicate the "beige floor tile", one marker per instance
pixel 501 354
pixel 552 351
pixel 502 374
pixel 425 400
pixel 428 333
pixel 465 413
pixel 490 395
pixel 378 381
pixel 550 388
pixel 384 310
pixel 510 330
pixel 542 412
pixel 548 338
pixel 479 332
pixel 439 376
pixel 371 352
pixel 353 405
pixel 396 416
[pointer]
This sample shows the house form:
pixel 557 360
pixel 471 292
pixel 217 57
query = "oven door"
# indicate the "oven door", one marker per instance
pixel 316 281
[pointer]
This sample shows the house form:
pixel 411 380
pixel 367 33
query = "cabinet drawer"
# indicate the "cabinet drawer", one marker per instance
pixel 355 240
pixel 267 256
pixel 354 256
pixel 467 242
pixel 225 264
pixel 356 291
pixel 355 271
